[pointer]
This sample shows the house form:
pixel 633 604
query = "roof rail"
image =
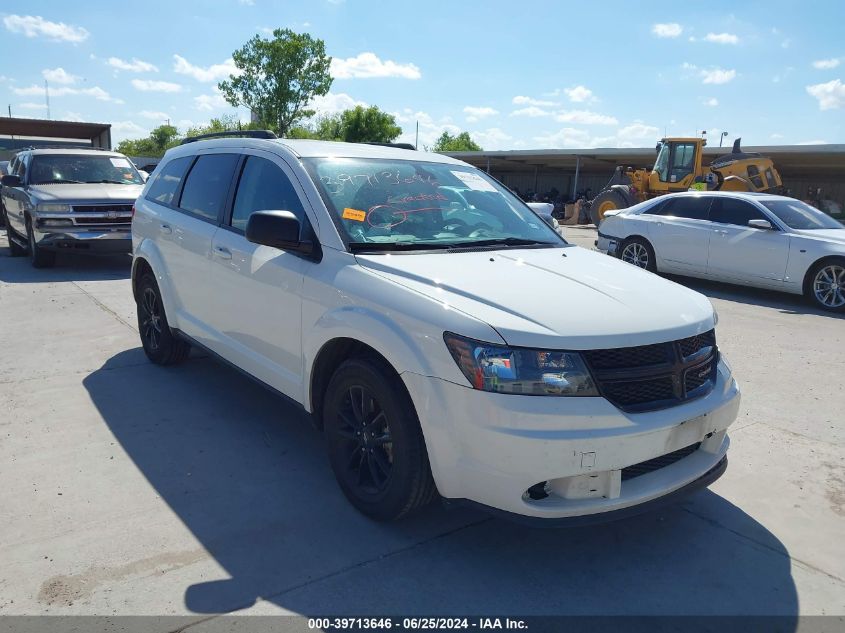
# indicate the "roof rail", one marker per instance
pixel 397 145
pixel 239 133
pixel 67 146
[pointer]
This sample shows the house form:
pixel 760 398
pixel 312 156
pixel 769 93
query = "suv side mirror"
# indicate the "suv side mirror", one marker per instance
pixel 279 229
pixel 760 224
pixel 11 181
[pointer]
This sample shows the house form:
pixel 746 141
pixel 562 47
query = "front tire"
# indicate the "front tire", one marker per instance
pixel 160 345
pixel 607 200
pixel 638 252
pixel 825 286
pixel 16 250
pixel 375 444
pixel 38 257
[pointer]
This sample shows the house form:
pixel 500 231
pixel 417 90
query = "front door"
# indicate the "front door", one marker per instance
pixel 680 234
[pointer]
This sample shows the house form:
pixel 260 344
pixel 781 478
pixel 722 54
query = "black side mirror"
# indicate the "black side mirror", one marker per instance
pixel 279 229
pixel 11 181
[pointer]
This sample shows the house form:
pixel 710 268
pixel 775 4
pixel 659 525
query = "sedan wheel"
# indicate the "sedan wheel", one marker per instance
pixel 636 254
pixel 829 286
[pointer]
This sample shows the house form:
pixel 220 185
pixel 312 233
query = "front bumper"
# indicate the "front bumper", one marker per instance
pixel 108 240
pixel 608 244
pixel 492 448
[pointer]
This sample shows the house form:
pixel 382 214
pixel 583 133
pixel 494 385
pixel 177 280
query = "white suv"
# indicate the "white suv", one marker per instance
pixel 445 338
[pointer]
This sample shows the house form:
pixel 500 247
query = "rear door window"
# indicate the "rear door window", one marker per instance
pixel 166 183
pixel 264 186
pixel 688 207
pixel 207 185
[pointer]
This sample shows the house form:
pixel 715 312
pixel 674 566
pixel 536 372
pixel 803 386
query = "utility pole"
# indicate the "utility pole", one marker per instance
pixel 417 142
pixel 47 97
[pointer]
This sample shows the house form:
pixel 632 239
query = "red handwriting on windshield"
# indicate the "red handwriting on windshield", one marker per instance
pixel 395 216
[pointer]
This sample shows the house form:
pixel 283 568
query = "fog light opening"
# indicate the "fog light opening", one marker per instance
pixel 538 491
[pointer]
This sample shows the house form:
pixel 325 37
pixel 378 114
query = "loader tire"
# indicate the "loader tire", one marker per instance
pixel 607 200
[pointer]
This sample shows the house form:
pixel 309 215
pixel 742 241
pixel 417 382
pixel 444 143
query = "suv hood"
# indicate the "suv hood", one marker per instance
pixel 558 298
pixel 85 193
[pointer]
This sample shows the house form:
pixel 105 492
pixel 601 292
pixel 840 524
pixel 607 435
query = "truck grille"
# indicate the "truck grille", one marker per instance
pixel 649 377
pixel 102 208
pixel 649 466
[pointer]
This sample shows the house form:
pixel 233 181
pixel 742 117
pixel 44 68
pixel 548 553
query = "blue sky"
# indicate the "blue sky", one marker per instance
pixel 515 75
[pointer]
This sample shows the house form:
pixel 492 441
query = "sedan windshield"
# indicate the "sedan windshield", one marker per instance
pixel 799 215
pixel 400 204
pixel 82 168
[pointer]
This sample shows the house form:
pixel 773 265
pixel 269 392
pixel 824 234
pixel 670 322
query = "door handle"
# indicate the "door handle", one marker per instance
pixel 222 252
pixel 165 228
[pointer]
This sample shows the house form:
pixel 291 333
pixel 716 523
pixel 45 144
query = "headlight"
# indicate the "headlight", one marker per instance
pixel 52 208
pixel 523 371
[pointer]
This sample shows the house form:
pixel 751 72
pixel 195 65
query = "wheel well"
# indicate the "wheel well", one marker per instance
pixel 141 267
pixel 638 237
pixel 330 356
pixel 809 274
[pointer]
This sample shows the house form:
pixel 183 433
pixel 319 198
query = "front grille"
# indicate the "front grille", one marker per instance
pixel 649 466
pixel 94 220
pixel 649 377
pixel 102 208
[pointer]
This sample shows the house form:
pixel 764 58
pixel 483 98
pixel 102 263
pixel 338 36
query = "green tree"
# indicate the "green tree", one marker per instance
pixel 225 123
pixel 279 78
pixel 159 141
pixel 460 143
pixel 360 125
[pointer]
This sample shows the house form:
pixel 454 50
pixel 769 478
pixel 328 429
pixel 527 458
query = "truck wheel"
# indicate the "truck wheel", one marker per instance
pixel 375 444
pixel 607 200
pixel 160 345
pixel 826 285
pixel 637 251
pixel 38 257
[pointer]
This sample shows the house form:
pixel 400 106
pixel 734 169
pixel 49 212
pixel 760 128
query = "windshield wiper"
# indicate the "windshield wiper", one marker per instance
pixel 501 241
pixel 108 182
pixel 58 181
pixel 397 246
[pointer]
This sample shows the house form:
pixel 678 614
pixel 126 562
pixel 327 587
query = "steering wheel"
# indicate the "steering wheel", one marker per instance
pixel 482 231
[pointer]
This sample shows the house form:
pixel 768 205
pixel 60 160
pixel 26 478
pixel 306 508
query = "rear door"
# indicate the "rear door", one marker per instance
pixel 679 230
pixel 256 305
pixel 741 253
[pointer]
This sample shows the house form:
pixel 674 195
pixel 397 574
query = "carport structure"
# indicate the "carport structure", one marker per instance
pixel 16 134
pixel 571 170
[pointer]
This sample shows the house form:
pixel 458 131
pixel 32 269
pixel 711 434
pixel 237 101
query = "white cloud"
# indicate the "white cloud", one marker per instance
pixel 38 91
pixel 638 131
pixel 532 111
pixel 566 137
pixel 430 128
pixel 785 43
pixel 830 95
pixel 135 66
pixel 247 3
pixel 32 106
pixel 521 100
pixel 816 142
pixel 147 85
pixel 775 136
pixel 154 115
pixel 717 76
pixel 368 65
pixel 579 94
pixel 121 130
pixel 671 29
pixel 711 102
pixel 215 72
pixel 209 103
pixel 722 38
pixel 59 76
pixel 585 117
pixel 826 64
pixel 492 139
pixel 36 26
pixel 474 113
pixel 334 102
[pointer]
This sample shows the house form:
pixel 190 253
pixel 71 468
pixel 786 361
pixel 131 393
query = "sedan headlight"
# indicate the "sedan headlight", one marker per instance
pixel 531 372
pixel 49 207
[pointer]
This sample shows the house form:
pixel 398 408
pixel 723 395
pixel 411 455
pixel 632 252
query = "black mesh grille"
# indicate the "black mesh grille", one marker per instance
pixel 89 220
pixel 693 344
pixel 649 377
pixel 627 394
pixel 102 208
pixel 657 463
pixel 641 356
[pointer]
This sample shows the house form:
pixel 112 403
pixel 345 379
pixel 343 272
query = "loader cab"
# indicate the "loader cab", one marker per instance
pixel 678 162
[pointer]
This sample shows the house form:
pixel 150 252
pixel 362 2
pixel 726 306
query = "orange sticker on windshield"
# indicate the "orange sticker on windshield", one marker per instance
pixel 354 214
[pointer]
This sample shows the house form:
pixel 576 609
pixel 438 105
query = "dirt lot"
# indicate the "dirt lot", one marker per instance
pixel 134 489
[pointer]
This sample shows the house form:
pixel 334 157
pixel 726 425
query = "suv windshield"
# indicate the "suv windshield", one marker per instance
pixel 383 204
pixel 82 168
pixel 799 215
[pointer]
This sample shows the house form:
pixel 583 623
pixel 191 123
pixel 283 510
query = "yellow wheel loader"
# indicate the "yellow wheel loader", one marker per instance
pixel 679 168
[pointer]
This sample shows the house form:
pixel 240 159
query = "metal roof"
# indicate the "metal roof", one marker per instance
pixel 10 126
pixel 810 159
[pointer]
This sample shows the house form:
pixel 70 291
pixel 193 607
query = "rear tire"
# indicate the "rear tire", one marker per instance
pixel 606 201
pixel 160 344
pixel 638 252
pixel 38 257
pixel 825 287
pixel 375 444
